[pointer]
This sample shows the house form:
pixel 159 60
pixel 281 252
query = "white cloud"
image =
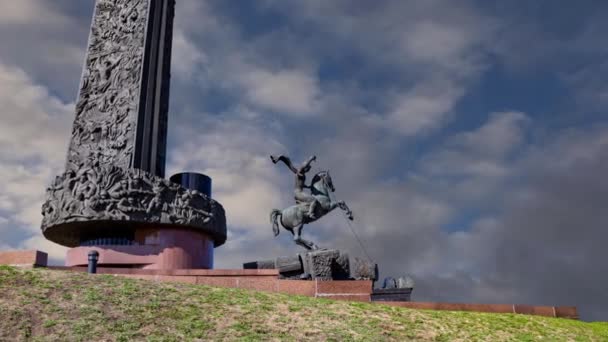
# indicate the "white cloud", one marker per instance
pixel 33 140
pixel 481 152
pixel 588 84
pixel 199 17
pixel 45 42
pixel 213 52
pixel 435 49
pixel 187 60
pixel 497 137
pixel 469 167
pixel 235 154
pixel 423 108
pixel 29 12
pixel 34 122
pixel 436 42
pixel 291 92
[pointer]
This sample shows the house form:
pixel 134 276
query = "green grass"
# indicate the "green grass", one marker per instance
pixel 43 305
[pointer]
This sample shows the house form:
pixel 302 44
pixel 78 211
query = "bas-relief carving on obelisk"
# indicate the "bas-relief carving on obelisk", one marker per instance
pixel 116 155
pixel 121 111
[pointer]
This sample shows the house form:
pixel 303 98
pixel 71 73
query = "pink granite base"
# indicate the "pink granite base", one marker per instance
pixel 155 248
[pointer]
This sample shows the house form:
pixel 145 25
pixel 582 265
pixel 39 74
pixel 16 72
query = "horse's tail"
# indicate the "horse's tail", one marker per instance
pixel 274 214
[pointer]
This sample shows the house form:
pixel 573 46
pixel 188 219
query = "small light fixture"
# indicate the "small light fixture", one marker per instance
pixel 93 257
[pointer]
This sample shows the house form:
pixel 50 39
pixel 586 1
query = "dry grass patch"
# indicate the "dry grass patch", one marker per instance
pixel 48 305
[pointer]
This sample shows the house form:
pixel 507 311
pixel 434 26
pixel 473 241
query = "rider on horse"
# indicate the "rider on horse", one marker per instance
pixel 301 196
pixel 309 206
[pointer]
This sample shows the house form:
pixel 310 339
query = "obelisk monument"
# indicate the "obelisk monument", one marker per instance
pixel 112 196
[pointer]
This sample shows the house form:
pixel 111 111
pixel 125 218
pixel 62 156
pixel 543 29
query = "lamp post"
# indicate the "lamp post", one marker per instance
pixel 93 257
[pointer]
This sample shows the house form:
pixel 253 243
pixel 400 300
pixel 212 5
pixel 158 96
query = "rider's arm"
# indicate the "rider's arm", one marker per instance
pixel 309 161
pixel 286 161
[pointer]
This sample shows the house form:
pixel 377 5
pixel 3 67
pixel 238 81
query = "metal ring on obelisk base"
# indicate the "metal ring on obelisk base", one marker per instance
pixel 193 181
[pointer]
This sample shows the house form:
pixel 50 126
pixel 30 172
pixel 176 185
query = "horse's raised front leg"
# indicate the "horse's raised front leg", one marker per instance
pixel 297 237
pixel 343 206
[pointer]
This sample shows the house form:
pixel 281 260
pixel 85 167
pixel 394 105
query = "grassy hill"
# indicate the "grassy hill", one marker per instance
pixel 67 306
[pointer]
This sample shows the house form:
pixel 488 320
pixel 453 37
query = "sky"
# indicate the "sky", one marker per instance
pixel 470 138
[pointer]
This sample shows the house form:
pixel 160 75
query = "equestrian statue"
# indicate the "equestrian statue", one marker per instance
pixel 310 206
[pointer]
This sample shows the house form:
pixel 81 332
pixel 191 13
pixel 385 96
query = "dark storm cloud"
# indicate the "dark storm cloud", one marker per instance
pixel 541 239
pixel 553 235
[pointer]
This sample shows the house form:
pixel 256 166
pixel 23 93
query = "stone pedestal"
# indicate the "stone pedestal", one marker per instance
pixel 365 270
pixel 322 264
pixel 151 248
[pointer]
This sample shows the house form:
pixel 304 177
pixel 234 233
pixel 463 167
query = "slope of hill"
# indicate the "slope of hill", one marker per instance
pixel 48 305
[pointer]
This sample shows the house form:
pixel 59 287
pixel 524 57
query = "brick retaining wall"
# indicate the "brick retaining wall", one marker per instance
pixel 252 279
pixel 549 311
pixel 21 258
pixel 350 290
